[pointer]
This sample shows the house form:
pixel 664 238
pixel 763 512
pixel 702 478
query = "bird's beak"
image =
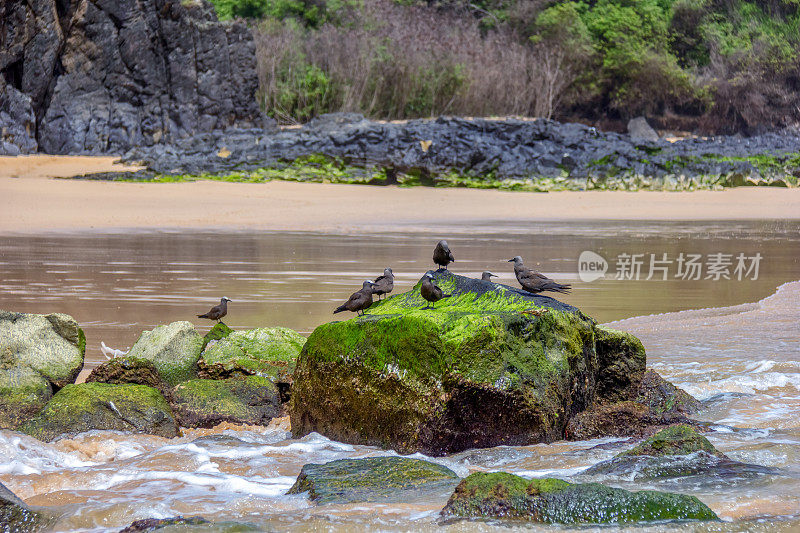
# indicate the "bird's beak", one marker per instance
pixel 510 261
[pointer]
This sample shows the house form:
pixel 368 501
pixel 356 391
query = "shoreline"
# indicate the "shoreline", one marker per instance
pixel 38 204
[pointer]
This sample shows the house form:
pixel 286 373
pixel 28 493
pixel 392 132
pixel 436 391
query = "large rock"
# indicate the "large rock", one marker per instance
pixel 502 495
pixel 104 76
pixel 78 408
pixel 17 517
pixel 676 451
pixel 489 366
pixel 270 352
pixel 241 400
pixel 641 131
pixel 173 348
pixel 38 354
pixel 130 370
pixel 17 121
pixel 375 479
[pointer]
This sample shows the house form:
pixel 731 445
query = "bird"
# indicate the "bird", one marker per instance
pixel 430 291
pixel 111 353
pixel 218 311
pixel 358 301
pixel 536 282
pixel 383 284
pixel 442 256
pixel 487 276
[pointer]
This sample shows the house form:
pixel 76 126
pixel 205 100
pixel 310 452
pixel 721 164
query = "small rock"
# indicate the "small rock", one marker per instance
pixel 205 403
pixel 641 131
pixel 132 370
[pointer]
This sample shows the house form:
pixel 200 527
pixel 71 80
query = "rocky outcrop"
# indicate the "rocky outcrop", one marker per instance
pixel 375 479
pixel 502 495
pixel 39 354
pixel 490 366
pixel 87 406
pixel 17 517
pixel 104 76
pixel 173 348
pixel 253 400
pixel 130 370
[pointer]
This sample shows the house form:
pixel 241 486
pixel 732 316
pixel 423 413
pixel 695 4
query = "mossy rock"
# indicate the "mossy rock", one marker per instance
pixel 662 397
pixel 183 524
pixel 87 406
pixel 489 366
pixel 219 331
pixel 270 352
pixel 676 451
pixel 375 479
pixel 173 348
pixel 121 370
pixel 241 400
pixel 17 517
pixel 38 354
pixel 621 358
pixel 547 500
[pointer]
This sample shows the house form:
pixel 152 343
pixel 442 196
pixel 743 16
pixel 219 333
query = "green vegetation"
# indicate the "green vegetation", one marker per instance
pixel 502 495
pixel 240 400
pixel 674 440
pixel 718 65
pixel 269 352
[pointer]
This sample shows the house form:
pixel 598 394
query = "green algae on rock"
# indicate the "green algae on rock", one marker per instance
pixel 621 357
pixel 87 406
pixel 174 349
pixel 662 397
pixel 674 440
pixel 491 365
pixel 126 369
pixel 242 400
pixel 17 517
pixel 372 479
pixel 548 500
pixel 219 331
pixel 269 352
pixel 38 354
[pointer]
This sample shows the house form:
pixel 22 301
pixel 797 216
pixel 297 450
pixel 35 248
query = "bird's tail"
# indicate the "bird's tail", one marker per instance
pixel 203 316
pixel 562 288
pixel 446 295
pixel 339 309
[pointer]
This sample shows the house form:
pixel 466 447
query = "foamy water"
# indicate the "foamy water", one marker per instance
pixel 744 360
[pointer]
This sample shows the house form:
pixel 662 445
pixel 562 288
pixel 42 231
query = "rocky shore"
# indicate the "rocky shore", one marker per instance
pixel 513 154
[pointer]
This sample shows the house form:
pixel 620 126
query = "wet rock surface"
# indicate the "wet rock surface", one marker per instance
pixel 38 355
pixel 87 406
pixel 377 479
pixel 131 370
pixel 173 348
pixel 86 76
pixel 17 517
pixel 527 154
pixel 253 400
pixel 548 500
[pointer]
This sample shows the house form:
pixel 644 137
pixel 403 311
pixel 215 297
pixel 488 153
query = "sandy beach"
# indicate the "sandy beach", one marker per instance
pixel 35 202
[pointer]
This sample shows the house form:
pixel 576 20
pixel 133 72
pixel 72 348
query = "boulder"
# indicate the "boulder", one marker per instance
pixel 38 354
pixel 154 524
pixel 270 352
pixel 219 331
pixel 173 348
pixel 489 366
pixel 621 358
pixel 641 131
pixel 662 397
pixel 87 406
pixel 548 500
pixel 132 370
pixel 17 517
pixel 676 451
pixel 375 479
pixel 241 400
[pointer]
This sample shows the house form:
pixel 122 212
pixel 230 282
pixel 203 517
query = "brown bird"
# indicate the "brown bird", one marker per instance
pixel 536 282
pixel 358 301
pixel 218 311
pixel 487 276
pixel 383 284
pixel 430 291
pixel 442 256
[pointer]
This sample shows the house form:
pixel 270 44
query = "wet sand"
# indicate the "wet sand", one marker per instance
pixel 35 203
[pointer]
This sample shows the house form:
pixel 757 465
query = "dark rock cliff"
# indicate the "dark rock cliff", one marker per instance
pixel 92 76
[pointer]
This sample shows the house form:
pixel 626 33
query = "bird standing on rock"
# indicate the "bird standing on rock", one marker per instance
pixel 536 282
pixel 487 276
pixel 442 256
pixel 358 301
pixel 218 311
pixel 383 284
pixel 430 291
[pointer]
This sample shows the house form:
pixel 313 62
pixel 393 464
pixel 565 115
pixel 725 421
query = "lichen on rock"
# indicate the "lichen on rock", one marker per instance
pixel 205 403
pixel 372 479
pixel 87 406
pixel 269 352
pixel 173 348
pixel 548 500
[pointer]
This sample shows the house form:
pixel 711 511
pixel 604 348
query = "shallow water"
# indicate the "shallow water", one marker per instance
pixel 745 359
